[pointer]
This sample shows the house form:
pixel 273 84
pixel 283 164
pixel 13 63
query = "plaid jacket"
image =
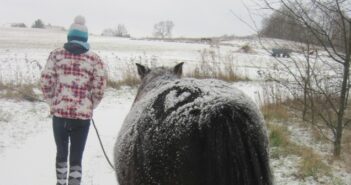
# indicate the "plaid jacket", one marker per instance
pixel 73 85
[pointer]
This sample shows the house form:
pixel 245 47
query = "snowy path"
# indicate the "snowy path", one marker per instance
pixel 32 162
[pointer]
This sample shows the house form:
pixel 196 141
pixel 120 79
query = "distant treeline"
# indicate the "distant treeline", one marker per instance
pixel 283 24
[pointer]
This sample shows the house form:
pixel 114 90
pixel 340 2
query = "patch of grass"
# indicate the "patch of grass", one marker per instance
pixel 316 134
pixel 275 111
pixel 130 80
pixel 117 84
pixel 246 48
pixel 278 136
pixel 310 163
pixel 337 181
pixel 274 104
pixel 279 141
pixel 228 75
pixel 19 92
pixel 129 77
pixel 346 148
pixel 214 65
pixel 113 84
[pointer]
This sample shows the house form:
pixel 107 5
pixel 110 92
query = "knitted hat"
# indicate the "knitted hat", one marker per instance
pixel 78 32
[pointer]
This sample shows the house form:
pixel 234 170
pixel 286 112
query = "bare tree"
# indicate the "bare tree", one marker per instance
pixel 325 92
pixel 163 29
pixel 120 31
pixel 38 24
pixel 280 26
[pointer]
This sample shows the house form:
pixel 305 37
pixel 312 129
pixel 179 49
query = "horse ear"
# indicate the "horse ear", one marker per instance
pixel 178 69
pixel 142 70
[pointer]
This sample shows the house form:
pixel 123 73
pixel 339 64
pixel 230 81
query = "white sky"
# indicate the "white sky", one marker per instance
pixel 190 17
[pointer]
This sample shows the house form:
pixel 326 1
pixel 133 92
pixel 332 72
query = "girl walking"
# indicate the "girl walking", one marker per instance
pixel 73 83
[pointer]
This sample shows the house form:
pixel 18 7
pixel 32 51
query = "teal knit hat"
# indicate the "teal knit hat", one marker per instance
pixel 78 32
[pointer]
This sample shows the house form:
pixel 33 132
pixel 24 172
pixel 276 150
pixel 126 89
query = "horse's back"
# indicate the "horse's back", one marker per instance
pixel 193 132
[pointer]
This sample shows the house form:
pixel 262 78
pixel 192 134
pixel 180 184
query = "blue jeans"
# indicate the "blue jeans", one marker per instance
pixel 74 131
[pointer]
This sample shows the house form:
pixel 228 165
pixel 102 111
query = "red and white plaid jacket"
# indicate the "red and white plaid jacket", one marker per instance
pixel 73 85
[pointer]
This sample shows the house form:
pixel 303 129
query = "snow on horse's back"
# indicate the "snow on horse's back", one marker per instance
pixel 189 131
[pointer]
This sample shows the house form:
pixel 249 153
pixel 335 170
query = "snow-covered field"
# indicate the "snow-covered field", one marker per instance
pixel 23 54
pixel 27 148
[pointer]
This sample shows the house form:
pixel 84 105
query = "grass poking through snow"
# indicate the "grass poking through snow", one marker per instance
pixel 19 92
pixel 310 163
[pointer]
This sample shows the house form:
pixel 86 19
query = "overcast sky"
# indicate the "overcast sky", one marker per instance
pixel 190 17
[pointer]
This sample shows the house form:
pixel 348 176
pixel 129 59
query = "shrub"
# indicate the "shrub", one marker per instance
pixel 129 77
pixel 213 65
pixel 19 92
pixel 18 25
pixel 278 136
pixel 311 164
pixel 275 111
pixel 38 24
pixel 246 48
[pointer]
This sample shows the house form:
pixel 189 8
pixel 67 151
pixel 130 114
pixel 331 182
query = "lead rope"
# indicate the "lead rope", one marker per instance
pixel 102 147
pixel 96 130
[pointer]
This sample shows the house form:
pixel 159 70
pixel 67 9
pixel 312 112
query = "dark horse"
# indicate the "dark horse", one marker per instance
pixel 191 132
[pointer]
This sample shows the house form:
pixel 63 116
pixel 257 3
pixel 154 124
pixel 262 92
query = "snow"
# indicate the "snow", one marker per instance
pixel 27 153
pixel 172 99
pixel 284 170
pixel 27 148
pixel 23 52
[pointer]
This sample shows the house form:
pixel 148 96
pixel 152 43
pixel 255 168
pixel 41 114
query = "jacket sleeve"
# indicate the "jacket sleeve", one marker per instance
pixel 99 82
pixel 48 80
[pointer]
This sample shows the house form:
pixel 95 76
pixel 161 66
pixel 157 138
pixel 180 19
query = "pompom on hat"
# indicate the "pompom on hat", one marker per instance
pixel 78 32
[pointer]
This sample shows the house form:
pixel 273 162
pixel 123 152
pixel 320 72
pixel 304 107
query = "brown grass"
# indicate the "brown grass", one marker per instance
pixel 275 111
pixel 278 139
pixel 310 164
pixel 346 148
pixel 213 65
pixel 129 78
pixel 19 92
pixel 316 134
pixel 227 75
pixel 117 84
